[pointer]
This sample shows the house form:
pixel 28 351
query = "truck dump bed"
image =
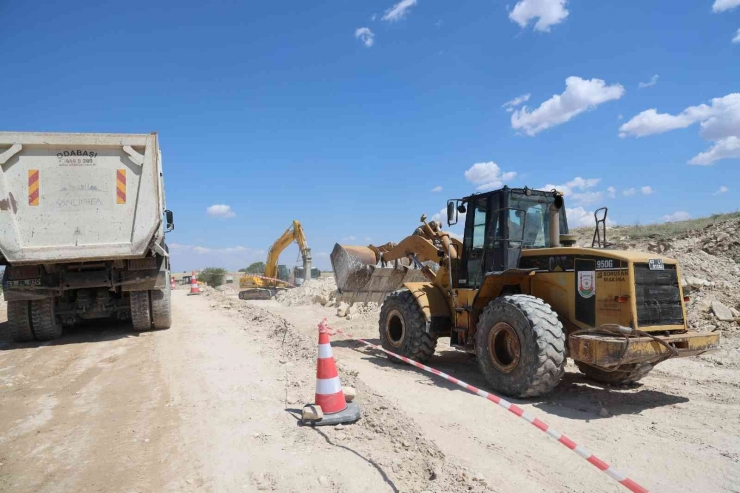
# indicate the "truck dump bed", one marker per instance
pixel 78 197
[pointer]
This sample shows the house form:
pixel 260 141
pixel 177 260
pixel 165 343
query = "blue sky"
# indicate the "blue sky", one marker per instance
pixel 345 115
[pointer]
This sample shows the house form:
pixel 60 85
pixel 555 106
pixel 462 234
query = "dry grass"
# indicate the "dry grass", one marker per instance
pixel 666 230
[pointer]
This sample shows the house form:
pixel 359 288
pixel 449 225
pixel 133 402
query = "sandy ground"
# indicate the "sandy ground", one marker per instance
pixel 210 404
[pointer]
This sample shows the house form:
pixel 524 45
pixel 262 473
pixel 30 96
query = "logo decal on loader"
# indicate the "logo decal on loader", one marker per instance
pixel 586 283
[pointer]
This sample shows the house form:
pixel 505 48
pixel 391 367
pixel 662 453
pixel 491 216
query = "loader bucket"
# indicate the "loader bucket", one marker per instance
pixel 360 279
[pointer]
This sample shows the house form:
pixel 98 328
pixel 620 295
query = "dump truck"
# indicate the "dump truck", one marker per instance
pixel 83 231
pixel 519 295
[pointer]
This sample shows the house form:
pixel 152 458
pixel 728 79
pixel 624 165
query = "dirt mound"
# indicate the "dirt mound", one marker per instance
pixel 313 291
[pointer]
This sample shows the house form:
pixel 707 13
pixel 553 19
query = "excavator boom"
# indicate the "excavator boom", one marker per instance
pixel 265 287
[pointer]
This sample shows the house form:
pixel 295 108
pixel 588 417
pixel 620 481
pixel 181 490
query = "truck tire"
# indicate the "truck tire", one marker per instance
pixel 141 313
pixel 625 375
pixel 403 328
pixel 19 321
pixel 520 345
pixel 45 325
pixel 161 306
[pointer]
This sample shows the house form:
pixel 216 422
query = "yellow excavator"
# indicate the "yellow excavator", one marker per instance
pixel 273 280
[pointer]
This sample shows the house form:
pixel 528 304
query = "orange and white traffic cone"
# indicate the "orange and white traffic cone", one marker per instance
pixel 329 395
pixel 194 284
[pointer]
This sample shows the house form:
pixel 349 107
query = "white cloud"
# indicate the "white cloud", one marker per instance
pixel 576 190
pixel 647 190
pixel 220 210
pixel 676 216
pixel 719 123
pixel 612 192
pixel 722 5
pixel 721 190
pixel 399 10
pixel 488 176
pixel 579 96
pixel 653 81
pixel 548 13
pixel 365 35
pixel 629 192
pixel 510 105
pixel 736 39
pixel 373 17
pixel 349 238
pixel 437 189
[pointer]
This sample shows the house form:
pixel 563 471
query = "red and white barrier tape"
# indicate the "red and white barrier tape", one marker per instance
pixel 514 409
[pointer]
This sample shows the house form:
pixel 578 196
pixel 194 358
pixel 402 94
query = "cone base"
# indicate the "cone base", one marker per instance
pixel 350 414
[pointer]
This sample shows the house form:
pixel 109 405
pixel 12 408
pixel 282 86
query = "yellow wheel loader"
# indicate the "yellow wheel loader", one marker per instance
pixel 518 294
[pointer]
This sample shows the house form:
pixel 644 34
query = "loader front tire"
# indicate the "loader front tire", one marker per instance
pixel 403 328
pixel 19 321
pixel 625 375
pixel 520 345
pixel 141 310
pixel 45 325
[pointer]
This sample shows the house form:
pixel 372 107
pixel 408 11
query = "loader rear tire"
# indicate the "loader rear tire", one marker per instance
pixel 161 307
pixel 625 375
pixel 403 328
pixel 45 325
pixel 19 321
pixel 141 311
pixel 520 345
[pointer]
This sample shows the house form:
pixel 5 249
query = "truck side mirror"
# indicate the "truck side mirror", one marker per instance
pixel 451 213
pixel 170 220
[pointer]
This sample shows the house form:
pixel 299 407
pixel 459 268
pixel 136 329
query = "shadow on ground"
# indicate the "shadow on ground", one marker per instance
pixel 90 331
pixel 296 413
pixel 576 397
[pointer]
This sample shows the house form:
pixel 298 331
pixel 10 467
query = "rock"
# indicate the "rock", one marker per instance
pixel 320 299
pixel 354 309
pixel 341 436
pixel 339 427
pixel 722 312
pixel 604 413
pixel 342 309
pixel 349 393
pixel 479 477
pixel 312 412
pixel 324 481
pixel 735 313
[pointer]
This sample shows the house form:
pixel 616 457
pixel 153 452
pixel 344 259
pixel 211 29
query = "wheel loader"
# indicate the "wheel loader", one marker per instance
pixel 519 295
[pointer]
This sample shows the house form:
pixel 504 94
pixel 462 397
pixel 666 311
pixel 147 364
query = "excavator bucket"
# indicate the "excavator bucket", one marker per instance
pixel 360 278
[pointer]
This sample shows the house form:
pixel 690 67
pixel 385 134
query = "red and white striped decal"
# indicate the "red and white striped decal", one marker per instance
pixel 514 409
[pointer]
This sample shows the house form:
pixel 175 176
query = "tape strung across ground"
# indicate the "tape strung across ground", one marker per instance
pixel 512 408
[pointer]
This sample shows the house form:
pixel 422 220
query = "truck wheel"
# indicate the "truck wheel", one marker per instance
pixel 141 314
pixel 44 320
pixel 19 321
pixel 626 373
pixel 520 344
pixel 161 311
pixel 403 328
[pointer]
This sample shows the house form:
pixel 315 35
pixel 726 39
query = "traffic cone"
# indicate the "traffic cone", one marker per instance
pixel 194 284
pixel 329 393
pixel 330 398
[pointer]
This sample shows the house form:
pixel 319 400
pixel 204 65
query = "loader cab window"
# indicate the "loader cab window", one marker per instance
pixel 530 223
pixel 472 268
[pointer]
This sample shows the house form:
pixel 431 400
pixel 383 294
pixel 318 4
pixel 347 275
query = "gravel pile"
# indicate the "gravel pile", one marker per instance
pixel 318 291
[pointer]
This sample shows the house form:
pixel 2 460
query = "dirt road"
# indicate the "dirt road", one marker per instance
pixel 199 407
pixel 209 405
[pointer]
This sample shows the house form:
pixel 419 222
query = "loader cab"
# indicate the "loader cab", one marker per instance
pixel 498 225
